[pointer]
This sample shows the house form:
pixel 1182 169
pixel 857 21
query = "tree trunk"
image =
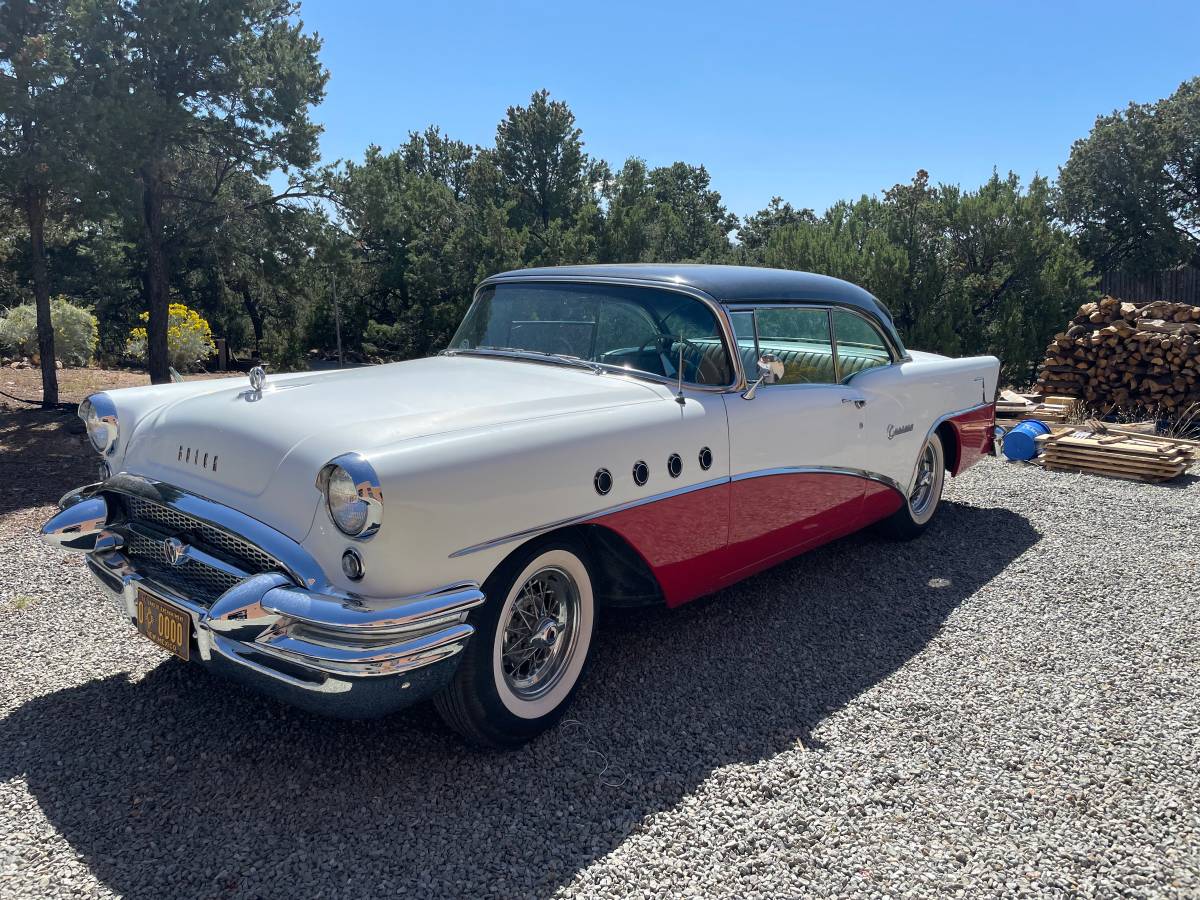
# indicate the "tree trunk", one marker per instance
pixel 156 274
pixel 255 314
pixel 35 213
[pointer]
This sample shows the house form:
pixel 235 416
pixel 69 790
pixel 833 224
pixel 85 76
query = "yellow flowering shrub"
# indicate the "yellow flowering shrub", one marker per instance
pixel 189 339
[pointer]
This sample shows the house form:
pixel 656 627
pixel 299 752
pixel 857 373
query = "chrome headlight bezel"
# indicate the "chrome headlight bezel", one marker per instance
pixel 367 490
pixel 99 415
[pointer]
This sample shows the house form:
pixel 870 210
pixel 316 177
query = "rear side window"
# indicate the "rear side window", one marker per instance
pixel 860 346
pixel 799 337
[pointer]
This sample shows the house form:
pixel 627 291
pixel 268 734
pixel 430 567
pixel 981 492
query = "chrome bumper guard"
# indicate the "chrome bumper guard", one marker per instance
pixel 317 641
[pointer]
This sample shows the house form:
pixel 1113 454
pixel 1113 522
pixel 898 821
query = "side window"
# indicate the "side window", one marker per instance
pixel 860 346
pixel 799 337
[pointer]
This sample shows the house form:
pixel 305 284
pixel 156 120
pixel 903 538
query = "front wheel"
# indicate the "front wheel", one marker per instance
pixel 532 636
pixel 924 494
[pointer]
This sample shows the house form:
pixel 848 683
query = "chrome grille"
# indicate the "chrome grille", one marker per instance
pixel 237 549
pixel 192 579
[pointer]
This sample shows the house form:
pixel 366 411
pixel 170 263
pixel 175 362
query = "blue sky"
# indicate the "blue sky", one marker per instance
pixel 814 103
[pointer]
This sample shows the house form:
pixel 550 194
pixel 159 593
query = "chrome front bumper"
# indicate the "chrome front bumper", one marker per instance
pixel 310 645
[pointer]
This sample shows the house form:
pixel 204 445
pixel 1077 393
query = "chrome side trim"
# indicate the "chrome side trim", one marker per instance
pixel 820 470
pixel 715 482
pixel 585 517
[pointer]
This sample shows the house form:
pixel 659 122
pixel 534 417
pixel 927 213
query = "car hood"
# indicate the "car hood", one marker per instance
pixel 260 451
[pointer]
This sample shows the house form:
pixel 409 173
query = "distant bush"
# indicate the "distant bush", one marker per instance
pixel 189 339
pixel 75 331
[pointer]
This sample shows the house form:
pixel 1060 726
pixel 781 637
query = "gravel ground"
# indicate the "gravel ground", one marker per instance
pixel 1008 706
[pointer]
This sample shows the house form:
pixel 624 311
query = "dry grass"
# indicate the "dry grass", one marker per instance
pixel 73 384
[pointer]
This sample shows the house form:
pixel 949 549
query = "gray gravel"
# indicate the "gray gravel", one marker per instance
pixel 1008 706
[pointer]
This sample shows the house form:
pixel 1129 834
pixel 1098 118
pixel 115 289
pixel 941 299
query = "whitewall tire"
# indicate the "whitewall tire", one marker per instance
pixel 924 495
pixel 530 649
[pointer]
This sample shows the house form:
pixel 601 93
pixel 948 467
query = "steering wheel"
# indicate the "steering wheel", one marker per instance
pixel 662 343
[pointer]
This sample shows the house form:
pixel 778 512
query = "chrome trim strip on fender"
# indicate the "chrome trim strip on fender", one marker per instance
pixel 585 517
pixel 821 470
pixel 760 473
pixel 666 495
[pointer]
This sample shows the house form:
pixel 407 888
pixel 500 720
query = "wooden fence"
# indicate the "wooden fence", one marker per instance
pixel 1181 285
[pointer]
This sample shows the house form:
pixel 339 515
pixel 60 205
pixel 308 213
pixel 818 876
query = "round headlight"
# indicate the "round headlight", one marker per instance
pixel 99 414
pixel 353 495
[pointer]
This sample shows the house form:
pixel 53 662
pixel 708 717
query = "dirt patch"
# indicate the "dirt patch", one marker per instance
pixel 75 384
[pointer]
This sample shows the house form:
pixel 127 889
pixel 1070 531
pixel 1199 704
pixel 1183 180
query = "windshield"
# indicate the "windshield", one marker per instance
pixel 640 329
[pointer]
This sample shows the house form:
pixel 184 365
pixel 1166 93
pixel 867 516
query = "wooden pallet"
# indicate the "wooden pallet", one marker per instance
pixel 1135 457
pixel 1013 408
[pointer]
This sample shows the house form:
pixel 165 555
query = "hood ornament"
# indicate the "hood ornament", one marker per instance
pixel 258 378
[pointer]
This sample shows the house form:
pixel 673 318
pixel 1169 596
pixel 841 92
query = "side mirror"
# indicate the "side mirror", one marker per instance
pixel 770 367
pixel 770 370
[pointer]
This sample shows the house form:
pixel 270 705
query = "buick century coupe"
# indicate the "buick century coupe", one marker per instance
pixel 451 527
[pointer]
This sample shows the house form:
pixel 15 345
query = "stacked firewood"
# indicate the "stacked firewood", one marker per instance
pixel 1119 354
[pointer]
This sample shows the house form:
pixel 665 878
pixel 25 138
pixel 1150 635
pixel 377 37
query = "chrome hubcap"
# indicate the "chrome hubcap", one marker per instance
pixel 540 633
pixel 922 492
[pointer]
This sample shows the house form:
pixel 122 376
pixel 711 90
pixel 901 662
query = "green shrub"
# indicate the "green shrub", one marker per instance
pixel 75 331
pixel 189 339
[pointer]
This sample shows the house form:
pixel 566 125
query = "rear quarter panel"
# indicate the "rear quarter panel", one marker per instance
pixel 906 402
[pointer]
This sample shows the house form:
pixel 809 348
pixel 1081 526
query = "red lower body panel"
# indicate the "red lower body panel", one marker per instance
pixel 682 539
pixel 699 542
pixel 974 432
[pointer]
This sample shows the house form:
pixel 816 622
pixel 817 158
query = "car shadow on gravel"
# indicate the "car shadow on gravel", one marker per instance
pixel 40 458
pixel 181 783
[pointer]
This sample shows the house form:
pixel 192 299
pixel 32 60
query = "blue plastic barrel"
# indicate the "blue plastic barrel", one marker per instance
pixel 1021 441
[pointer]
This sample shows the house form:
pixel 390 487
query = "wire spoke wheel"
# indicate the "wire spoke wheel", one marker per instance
pixel 540 633
pixel 923 487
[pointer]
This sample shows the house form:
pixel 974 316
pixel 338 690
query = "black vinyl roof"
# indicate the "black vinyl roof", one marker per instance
pixel 728 284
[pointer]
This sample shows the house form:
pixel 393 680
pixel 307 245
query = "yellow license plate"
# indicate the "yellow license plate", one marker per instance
pixel 166 625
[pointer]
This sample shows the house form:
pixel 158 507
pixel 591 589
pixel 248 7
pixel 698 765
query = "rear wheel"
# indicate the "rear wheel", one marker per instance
pixel 924 494
pixel 530 648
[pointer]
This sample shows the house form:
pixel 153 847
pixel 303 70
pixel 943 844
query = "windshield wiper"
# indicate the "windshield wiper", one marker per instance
pixel 561 358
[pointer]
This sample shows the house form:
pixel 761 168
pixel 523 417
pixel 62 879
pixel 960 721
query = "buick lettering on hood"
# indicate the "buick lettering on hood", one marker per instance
pixel 593 436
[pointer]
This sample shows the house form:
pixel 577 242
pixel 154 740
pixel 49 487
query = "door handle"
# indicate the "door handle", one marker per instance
pixel 858 402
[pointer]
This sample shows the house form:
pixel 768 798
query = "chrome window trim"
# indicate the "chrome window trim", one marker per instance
pixel 893 349
pixel 887 344
pixel 717 309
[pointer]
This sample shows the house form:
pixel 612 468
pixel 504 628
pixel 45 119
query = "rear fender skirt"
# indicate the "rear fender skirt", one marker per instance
pixel 973 433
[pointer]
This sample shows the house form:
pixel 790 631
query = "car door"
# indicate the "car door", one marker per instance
pixel 887 450
pixel 790 439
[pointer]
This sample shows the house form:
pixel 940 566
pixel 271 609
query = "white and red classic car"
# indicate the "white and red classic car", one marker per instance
pixel 354 541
